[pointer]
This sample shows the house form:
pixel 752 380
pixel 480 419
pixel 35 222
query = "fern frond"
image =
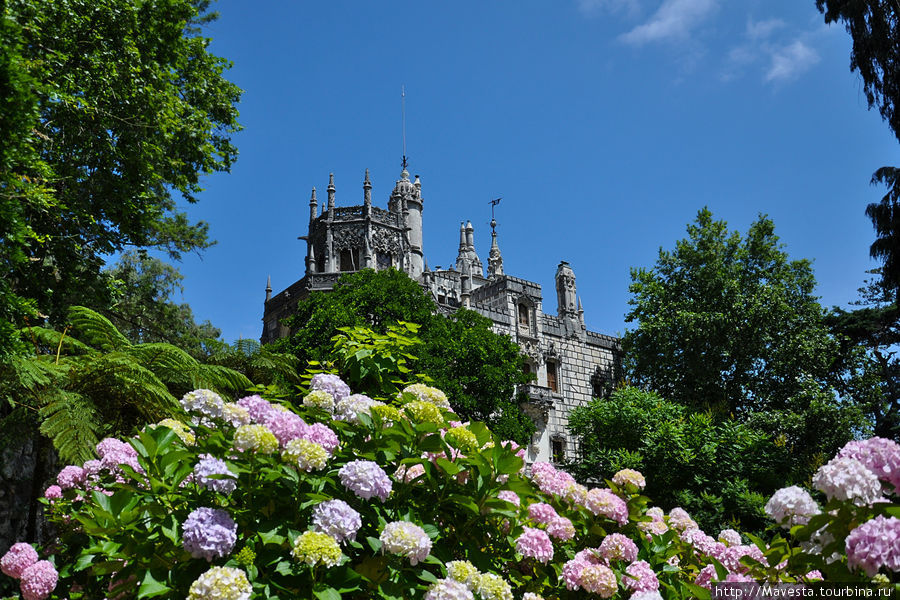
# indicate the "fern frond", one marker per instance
pixel 96 330
pixel 167 362
pixel 220 379
pixel 30 374
pixel 71 422
pixel 116 381
pixel 50 339
pixel 286 365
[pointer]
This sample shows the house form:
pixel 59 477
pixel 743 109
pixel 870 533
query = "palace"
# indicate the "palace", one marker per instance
pixel 571 364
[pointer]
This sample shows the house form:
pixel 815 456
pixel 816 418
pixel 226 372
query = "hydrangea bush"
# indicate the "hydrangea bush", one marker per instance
pixel 349 497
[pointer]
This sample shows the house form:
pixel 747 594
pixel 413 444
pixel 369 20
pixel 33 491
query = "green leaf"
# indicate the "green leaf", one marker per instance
pixel 151 587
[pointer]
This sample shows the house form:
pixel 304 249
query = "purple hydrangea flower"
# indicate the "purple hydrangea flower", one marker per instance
pixel 337 519
pixel 115 452
pixel 875 544
pixel 209 533
pixel 53 492
pixel 332 384
pixel 18 558
pixel 285 425
pixel 71 477
pixel 38 580
pixel 365 479
pixel 258 408
pixel 210 465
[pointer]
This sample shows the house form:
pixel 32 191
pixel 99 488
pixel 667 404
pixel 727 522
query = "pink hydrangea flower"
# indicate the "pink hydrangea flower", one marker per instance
pixel 731 559
pixel 629 476
pixel 39 580
pixel 879 455
pixel 705 577
pixel 572 572
pixel 509 496
pixel 848 479
pixel 541 512
pixel 640 577
pixel 680 520
pixel 602 501
pixel 616 546
pixel 561 528
pixel 53 492
pixel 535 543
pixel 875 544
pixel 730 537
pixel 598 579
pixel 18 558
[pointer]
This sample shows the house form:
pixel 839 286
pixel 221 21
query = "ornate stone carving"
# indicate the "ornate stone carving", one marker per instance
pixel 348 237
pixel 386 241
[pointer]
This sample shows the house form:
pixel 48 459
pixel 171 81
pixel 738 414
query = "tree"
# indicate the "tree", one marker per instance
pixel 869 337
pixel 719 470
pixel 726 322
pixel 143 308
pixel 115 108
pixel 478 368
pixel 874 26
pixel 729 325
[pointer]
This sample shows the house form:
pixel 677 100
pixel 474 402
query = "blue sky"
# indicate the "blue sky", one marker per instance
pixel 605 125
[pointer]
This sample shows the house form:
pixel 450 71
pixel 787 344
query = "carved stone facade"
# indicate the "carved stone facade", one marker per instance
pixel 571 364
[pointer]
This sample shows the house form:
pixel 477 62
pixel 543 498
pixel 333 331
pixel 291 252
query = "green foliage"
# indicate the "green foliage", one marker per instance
pixel 112 109
pixel 461 354
pixel 720 470
pixel 79 389
pixel 374 363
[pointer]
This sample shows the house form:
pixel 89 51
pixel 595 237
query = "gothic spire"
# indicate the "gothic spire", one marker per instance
pixel 367 190
pixel 269 288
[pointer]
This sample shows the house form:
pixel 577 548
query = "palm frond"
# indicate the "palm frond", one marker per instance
pixel 96 330
pixel 71 422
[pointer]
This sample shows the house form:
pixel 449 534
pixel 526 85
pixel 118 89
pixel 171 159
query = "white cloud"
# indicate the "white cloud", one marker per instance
pixel 674 19
pixel 758 30
pixel 788 62
pixel 594 7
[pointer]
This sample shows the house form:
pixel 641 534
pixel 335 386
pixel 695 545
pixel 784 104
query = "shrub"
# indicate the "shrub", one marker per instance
pixel 386 504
